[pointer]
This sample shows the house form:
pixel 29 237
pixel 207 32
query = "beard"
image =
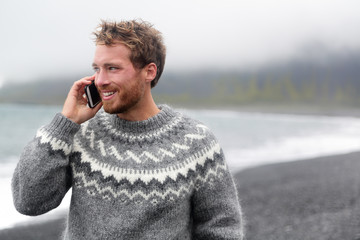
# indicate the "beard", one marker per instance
pixel 126 100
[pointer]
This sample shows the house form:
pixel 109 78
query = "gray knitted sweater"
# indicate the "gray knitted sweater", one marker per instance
pixel 162 178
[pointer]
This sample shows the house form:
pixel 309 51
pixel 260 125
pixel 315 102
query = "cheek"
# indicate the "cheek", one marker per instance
pixel 129 91
pixel 137 90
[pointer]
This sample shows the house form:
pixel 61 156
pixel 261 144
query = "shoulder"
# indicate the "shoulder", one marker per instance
pixel 195 132
pixel 195 126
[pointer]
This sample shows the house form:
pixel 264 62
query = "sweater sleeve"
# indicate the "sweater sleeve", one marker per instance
pixel 42 176
pixel 215 204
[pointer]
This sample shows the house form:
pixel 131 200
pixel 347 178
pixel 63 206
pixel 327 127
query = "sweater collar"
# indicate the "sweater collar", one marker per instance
pixel 158 121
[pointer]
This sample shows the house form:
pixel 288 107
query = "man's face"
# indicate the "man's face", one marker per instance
pixel 121 86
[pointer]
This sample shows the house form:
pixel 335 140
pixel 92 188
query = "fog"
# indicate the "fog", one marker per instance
pixel 42 38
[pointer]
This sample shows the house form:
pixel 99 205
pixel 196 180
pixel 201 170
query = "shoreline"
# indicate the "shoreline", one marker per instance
pixel 316 110
pixel 303 199
pixel 295 109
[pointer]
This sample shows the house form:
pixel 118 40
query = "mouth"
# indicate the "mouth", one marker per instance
pixel 107 95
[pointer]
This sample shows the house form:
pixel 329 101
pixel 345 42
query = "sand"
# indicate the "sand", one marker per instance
pixel 311 199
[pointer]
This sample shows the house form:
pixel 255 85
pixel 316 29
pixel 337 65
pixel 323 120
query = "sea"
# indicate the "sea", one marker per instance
pixel 248 139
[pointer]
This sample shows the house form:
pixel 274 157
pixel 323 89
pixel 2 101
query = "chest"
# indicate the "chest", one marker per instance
pixel 135 175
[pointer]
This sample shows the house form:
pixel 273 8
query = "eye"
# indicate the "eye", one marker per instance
pixel 113 68
pixel 96 69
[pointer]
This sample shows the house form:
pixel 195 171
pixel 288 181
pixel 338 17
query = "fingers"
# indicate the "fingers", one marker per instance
pixel 79 85
pixel 87 113
pixel 97 107
pixel 75 106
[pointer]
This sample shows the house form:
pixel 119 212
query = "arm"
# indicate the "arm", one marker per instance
pixel 42 176
pixel 215 205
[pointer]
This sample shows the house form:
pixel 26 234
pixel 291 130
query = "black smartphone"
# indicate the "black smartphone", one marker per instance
pixel 92 95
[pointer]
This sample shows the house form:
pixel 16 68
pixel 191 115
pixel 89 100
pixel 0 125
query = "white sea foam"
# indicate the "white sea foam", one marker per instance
pixel 291 149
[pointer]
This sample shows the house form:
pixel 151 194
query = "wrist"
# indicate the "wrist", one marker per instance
pixel 71 117
pixel 63 125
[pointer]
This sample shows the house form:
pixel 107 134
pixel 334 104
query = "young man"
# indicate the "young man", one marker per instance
pixel 137 170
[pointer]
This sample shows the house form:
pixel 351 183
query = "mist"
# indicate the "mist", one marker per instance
pixel 49 39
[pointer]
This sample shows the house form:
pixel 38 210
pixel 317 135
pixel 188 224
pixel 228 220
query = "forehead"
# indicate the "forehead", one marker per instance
pixel 116 52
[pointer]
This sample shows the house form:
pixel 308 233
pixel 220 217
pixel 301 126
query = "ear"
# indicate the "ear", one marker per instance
pixel 151 71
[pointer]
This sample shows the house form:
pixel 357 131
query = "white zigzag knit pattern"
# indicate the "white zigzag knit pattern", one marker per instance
pixel 169 161
pixel 144 175
pixel 168 194
pixel 155 162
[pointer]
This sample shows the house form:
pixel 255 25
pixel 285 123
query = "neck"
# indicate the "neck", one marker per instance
pixel 143 110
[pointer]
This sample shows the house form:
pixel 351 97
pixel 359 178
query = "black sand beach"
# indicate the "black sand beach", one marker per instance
pixel 310 199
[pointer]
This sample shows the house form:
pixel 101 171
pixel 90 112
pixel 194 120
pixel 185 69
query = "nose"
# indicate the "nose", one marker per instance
pixel 101 78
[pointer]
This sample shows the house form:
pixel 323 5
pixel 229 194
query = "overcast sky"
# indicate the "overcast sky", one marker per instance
pixel 47 38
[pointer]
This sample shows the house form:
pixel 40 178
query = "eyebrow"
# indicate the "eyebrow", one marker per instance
pixel 107 65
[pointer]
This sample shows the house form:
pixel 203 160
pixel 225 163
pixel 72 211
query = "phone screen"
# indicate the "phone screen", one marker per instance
pixel 92 95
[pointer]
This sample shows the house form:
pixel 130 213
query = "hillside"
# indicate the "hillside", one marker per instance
pixel 332 82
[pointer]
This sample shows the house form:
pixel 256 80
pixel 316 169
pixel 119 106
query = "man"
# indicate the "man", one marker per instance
pixel 137 170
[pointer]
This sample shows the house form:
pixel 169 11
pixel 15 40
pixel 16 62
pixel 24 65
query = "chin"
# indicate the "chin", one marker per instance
pixel 115 109
pixel 111 110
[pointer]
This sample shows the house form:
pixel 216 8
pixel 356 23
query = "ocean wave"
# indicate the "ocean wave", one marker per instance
pixel 292 148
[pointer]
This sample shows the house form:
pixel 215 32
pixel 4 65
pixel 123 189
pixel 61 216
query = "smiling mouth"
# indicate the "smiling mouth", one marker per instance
pixel 107 94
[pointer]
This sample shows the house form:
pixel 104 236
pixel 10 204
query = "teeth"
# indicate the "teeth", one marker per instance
pixel 108 93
